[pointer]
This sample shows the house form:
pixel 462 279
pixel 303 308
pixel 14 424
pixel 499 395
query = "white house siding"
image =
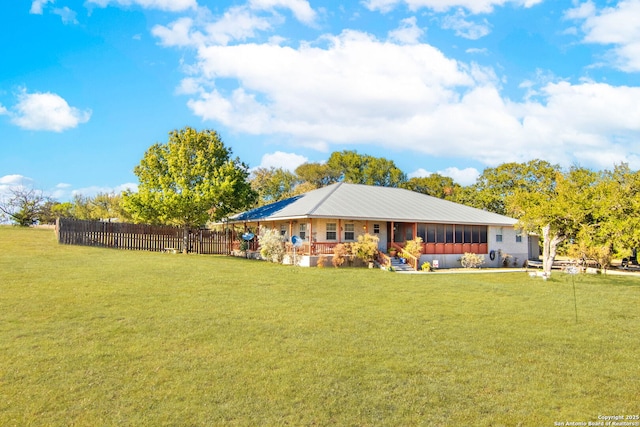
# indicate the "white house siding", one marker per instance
pixel 359 227
pixel 519 251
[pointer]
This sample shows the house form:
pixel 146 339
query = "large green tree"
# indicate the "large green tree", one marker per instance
pixel 101 207
pixel 188 181
pixel 435 185
pixel 317 175
pixel 557 211
pixel 495 185
pixel 364 169
pixel 619 208
pixel 273 184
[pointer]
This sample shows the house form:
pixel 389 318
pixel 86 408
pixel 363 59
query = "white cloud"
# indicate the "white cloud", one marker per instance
pixel 335 93
pixel 61 191
pixel 279 159
pixel 419 173
pixel 46 111
pixel 37 6
pixel 236 24
pixel 408 32
pixel 14 180
pixel 3 110
pixel 300 8
pixel 473 6
pixel 465 28
pixel 463 177
pixel 168 5
pixel 358 89
pixel 68 16
pixel 617 26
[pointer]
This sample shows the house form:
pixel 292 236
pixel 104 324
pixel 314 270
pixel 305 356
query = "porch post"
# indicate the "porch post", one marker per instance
pixel 310 234
pixel 415 230
pixel 339 230
pixel 392 233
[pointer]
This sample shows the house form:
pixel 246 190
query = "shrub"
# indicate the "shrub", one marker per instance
pixel 426 266
pixel 414 247
pixel 506 259
pixel 340 253
pixel 271 245
pixel 322 261
pixel 366 247
pixel 471 260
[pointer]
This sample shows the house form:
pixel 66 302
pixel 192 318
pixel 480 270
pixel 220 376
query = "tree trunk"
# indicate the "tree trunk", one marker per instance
pixel 549 248
pixel 185 239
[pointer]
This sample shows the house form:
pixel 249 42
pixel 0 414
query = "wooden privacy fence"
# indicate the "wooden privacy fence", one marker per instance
pixel 144 237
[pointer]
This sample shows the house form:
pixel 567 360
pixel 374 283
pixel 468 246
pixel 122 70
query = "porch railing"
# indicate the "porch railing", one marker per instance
pixel 317 248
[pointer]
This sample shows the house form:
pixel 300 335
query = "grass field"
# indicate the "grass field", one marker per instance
pixel 99 337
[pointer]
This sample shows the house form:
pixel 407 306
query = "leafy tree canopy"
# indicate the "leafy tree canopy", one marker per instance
pixel 189 180
pixel 364 169
pixel 273 184
pixel 562 208
pixel 317 175
pixel 495 185
pixel 434 185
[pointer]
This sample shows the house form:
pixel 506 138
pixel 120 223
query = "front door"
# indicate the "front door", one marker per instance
pixel 402 231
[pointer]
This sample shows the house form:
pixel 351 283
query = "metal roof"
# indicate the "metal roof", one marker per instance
pixel 365 202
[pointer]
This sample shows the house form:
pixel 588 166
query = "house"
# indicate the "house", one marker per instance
pixel 339 213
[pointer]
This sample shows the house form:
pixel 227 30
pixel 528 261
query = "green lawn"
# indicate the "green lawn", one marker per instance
pixel 93 337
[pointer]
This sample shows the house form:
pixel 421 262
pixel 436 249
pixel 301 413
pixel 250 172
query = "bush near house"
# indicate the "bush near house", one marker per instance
pixel 414 247
pixel 340 254
pixel 471 260
pixel 271 246
pixel 366 248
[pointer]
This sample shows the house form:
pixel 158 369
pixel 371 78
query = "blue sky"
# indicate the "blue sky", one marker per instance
pixel 447 86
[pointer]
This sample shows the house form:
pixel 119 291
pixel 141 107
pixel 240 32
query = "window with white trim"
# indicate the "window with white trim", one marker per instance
pixel 349 232
pixel 332 231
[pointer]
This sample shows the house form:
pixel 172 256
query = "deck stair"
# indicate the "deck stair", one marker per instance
pixel 400 267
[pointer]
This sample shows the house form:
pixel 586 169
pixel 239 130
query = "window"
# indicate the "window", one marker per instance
pixel 408 232
pixel 448 231
pixel 499 235
pixel 431 233
pixel 519 236
pixel 303 231
pixel 349 231
pixel 468 231
pixel 331 231
pixel 451 233
pixel 459 230
pixel 376 228
pixel 483 234
pixel 283 230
